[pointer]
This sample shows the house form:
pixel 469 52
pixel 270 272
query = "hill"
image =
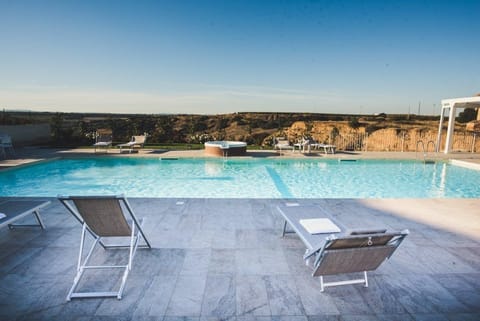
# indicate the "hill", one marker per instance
pixel 384 132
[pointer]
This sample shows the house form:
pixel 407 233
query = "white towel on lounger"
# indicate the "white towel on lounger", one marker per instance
pixel 319 225
pixel 2 215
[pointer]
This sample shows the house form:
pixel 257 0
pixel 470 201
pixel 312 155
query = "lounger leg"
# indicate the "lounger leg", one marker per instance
pixel 122 286
pixel 80 266
pixel 284 228
pixel 363 281
pixel 39 220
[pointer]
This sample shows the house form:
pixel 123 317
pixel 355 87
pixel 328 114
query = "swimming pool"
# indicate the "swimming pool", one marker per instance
pixel 241 178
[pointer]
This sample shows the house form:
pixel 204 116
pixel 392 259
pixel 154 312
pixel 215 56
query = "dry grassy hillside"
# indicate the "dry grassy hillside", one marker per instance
pixel 348 132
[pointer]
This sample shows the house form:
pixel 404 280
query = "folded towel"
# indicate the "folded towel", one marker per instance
pixel 319 225
pixel 2 215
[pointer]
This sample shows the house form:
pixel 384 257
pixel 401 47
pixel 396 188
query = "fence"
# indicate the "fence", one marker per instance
pixel 404 142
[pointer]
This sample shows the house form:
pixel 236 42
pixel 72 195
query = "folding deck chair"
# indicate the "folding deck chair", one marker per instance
pixel 357 252
pixel 104 217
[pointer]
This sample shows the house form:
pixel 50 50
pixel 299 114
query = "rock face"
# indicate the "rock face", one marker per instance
pixel 473 126
pixel 372 137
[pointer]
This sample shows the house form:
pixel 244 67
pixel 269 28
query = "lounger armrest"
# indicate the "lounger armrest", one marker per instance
pixel 319 248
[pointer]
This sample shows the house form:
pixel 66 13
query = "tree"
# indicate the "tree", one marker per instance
pixel 354 123
pixel 468 114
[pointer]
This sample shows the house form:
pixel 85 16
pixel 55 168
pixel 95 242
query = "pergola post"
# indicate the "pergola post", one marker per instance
pixel 451 126
pixel 453 104
pixel 439 136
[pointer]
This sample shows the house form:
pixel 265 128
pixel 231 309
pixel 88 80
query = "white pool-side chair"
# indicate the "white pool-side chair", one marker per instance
pixel 104 217
pixel 135 142
pixel 103 139
pixel 281 143
pixel 6 144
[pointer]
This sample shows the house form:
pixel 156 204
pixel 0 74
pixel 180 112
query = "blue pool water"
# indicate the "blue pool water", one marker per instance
pixel 241 178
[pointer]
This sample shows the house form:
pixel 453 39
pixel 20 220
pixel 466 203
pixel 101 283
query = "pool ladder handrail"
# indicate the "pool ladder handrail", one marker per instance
pixel 425 151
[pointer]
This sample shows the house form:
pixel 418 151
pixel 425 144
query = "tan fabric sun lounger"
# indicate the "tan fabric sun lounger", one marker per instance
pixel 104 217
pixel 342 252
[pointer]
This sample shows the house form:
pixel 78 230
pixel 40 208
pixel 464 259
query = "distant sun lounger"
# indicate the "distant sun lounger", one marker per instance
pixel 136 142
pixel 281 143
pixel 103 139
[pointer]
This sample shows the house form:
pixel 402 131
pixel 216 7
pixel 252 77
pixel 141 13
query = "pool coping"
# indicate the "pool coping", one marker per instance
pixel 32 155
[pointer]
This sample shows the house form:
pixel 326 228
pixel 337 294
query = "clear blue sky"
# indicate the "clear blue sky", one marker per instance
pixel 211 57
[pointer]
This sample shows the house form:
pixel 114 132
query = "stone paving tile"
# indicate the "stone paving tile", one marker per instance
pixel 349 300
pixel 251 296
pixel 463 317
pixel 187 296
pixel 219 297
pixel 379 298
pixel 431 317
pixel 260 262
pixel 314 301
pixel 196 262
pixel 283 296
pixel 155 299
pixel 222 261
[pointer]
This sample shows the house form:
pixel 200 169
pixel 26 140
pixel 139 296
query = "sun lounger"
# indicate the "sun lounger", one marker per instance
pixel 11 211
pixel 327 149
pixel 281 143
pixel 6 144
pixel 103 139
pixel 303 146
pixel 335 250
pixel 104 217
pixel 135 142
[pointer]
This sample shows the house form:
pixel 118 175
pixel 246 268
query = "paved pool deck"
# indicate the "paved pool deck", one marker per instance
pixel 225 259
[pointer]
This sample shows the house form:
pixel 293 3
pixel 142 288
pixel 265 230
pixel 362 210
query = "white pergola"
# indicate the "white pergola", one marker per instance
pixel 453 104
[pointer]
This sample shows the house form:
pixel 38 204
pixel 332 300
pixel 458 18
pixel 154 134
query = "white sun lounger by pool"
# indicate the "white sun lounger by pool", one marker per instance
pixel 103 139
pixel 135 142
pixel 13 210
pixel 327 148
pixel 6 144
pixel 281 143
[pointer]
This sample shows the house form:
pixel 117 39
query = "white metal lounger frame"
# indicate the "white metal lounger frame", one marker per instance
pixel 385 250
pixel 34 208
pixel 136 232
